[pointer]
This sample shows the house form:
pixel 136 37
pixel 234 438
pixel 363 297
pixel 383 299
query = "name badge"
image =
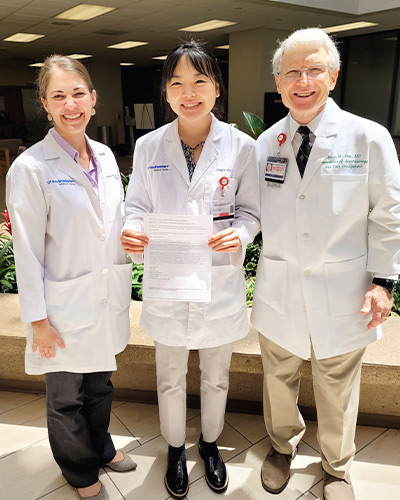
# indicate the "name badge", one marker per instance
pixel 223 210
pixel 275 169
pixel 223 206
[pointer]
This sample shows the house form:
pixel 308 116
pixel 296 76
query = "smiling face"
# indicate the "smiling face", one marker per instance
pixel 70 102
pixel 305 97
pixel 191 94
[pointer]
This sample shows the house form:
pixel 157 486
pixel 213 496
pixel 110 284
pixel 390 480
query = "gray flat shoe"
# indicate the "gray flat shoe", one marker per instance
pixel 101 495
pixel 124 465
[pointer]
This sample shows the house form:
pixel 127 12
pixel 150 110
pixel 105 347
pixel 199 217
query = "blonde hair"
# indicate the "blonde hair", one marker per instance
pixel 64 63
pixel 308 38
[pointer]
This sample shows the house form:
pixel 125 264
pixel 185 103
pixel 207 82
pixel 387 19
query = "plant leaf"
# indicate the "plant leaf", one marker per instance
pixel 254 123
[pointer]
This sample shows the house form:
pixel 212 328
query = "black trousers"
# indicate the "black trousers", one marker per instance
pixel 78 416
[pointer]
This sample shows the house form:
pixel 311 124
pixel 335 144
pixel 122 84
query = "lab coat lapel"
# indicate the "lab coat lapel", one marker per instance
pixel 324 141
pixel 209 153
pixel 54 154
pixel 102 171
pixel 286 151
pixel 174 150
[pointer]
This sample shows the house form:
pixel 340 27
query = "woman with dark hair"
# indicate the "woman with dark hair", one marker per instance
pixel 64 196
pixel 207 165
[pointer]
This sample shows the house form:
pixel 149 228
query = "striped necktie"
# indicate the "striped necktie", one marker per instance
pixel 304 149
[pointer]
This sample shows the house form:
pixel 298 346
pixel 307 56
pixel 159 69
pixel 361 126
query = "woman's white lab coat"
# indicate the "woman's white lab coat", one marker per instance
pixel 160 184
pixel 70 264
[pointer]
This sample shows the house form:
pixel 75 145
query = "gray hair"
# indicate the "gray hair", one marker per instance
pixel 308 38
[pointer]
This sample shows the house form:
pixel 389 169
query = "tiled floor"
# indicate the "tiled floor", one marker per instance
pixel 28 471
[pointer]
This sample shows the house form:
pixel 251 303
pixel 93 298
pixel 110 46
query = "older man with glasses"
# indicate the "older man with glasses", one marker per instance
pixel 330 215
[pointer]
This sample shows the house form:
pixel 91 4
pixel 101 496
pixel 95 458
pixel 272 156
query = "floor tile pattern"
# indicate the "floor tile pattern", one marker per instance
pixel 28 471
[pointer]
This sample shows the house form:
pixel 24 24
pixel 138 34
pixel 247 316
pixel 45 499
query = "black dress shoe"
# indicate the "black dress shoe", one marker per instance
pixel 216 474
pixel 176 478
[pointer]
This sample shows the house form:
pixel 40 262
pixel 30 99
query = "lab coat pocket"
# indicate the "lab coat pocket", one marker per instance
pixel 274 292
pixel 121 287
pixel 228 292
pixel 213 194
pixel 70 304
pixel 347 283
pixel 343 194
pixel 160 308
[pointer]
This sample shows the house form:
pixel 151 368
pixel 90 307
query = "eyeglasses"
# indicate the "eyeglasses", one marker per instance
pixel 313 73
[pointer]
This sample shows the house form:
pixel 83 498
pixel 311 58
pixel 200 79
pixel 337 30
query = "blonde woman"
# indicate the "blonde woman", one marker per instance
pixel 64 196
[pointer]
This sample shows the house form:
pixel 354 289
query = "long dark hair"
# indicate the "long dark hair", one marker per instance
pixel 204 62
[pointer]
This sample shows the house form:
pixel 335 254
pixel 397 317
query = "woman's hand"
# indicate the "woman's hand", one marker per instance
pixel 45 337
pixel 133 241
pixel 225 241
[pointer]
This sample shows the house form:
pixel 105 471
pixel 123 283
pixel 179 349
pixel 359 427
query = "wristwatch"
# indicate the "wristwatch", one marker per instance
pixel 389 284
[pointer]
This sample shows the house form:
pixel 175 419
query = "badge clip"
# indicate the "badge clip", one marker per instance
pixel 223 182
pixel 281 139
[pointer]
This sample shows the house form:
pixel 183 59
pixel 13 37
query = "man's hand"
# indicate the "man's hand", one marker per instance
pixel 133 241
pixel 227 240
pixel 380 301
pixel 45 337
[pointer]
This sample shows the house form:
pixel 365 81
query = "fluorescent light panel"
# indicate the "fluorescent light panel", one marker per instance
pixel 126 45
pixel 80 56
pixel 160 58
pixel 126 64
pixel 225 47
pixel 208 25
pixel 347 27
pixel 84 12
pixel 36 65
pixel 22 37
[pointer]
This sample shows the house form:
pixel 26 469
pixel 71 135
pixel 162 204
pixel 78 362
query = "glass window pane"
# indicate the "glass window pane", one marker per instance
pixel 396 107
pixel 369 75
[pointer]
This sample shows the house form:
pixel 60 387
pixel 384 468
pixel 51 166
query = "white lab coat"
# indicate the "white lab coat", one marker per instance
pixel 167 190
pixel 321 245
pixel 70 263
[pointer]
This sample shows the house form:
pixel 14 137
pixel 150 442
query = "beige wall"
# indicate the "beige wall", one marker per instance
pixel 106 78
pixel 250 75
pixel 18 75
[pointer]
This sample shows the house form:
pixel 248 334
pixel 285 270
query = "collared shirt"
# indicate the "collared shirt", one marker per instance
pixel 91 174
pixel 296 137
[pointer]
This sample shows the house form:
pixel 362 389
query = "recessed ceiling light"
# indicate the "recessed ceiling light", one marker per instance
pixel 208 25
pixel 36 65
pixel 347 27
pixel 226 47
pixel 84 11
pixel 80 56
pixel 126 45
pixel 126 64
pixel 22 37
pixel 160 58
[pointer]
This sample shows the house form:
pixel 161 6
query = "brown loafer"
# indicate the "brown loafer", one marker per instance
pixel 275 471
pixel 336 488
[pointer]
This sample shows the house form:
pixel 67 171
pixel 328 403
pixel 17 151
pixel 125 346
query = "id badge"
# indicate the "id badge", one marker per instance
pixel 275 169
pixel 223 209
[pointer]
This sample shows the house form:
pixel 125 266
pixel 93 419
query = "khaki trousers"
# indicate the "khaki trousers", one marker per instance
pixel 336 384
pixel 171 368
